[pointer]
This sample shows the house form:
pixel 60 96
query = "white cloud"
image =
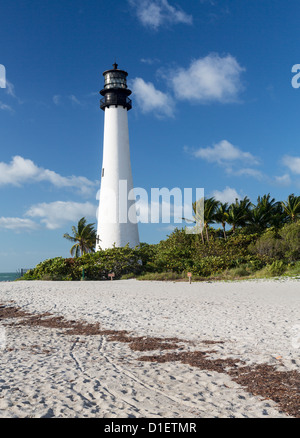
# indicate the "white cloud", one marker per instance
pixel 150 61
pixel 17 224
pixel 284 180
pixel 150 99
pixel 227 195
pixel 223 153
pixel 21 170
pixel 10 89
pixel 5 107
pixel 17 171
pixel 230 157
pixel 155 13
pixel 57 99
pixel 55 214
pixel 74 100
pixel 247 171
pixel 293 163
pixel 209 79
pixel 81 183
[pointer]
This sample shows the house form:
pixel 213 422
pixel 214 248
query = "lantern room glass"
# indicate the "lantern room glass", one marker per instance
pixel 115 80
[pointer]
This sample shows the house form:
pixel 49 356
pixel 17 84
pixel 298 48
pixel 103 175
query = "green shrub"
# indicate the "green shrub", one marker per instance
pixel 290 235
pixel 278 267
pixel 254 264
pixel 241 254
pixel 268 246
pixel 161 276
pixel 129 276
pixel 239 272
pixel 293 269
pixel 275 269
pixel 96 266
pixel 284 245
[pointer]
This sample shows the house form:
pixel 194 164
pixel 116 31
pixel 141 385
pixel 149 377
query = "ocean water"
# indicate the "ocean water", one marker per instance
pixel 9 276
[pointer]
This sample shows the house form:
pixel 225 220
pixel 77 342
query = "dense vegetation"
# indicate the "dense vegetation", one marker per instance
pixel 264 240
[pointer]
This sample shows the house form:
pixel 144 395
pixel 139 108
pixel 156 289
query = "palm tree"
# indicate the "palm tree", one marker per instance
pixel 84 236
pixel 238 213
pixel 198 209
pixel 198 215
pixel 260 216
pixel 221 215
pixel 245 205
pixel 204 214
pixel 210 208
pixel 279 217
pixel 267 202
pixel 292 207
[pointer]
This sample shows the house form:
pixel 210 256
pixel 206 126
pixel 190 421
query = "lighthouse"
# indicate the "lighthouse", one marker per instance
pixel 116 217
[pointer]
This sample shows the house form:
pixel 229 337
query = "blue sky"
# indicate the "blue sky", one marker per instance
pixel 213 107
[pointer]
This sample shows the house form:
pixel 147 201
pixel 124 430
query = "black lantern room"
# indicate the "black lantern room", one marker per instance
pixel 115 89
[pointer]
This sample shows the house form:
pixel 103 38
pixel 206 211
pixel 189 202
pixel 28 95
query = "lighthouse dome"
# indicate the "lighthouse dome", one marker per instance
pixel 115 89
pixel 115 78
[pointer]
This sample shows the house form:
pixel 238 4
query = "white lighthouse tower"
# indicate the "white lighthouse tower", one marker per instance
pixel 117 224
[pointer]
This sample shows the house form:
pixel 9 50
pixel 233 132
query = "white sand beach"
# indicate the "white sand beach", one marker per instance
pixel 45 372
